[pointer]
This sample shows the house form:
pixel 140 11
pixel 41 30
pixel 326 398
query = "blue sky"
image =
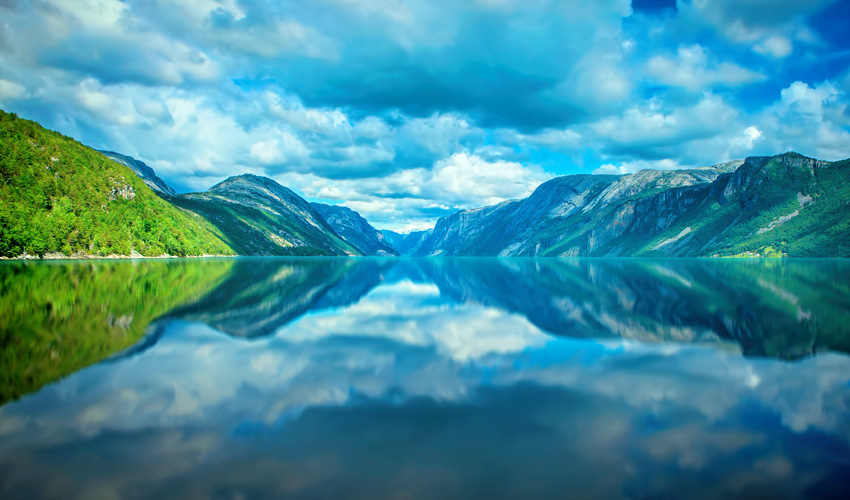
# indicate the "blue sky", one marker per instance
pixel 407 110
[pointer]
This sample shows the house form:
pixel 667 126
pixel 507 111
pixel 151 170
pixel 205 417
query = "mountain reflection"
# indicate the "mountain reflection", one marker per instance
pixel 784 309
pixel 457 378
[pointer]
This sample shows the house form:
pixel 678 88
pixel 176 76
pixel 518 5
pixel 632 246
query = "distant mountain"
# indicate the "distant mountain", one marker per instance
pixel 60 197
pixel 143 171
pixel 355 229
pixel 406 244
pixel 258 216
pixel 785 205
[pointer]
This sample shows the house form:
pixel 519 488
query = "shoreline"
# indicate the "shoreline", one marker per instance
pixel 51 256
pixel 60 256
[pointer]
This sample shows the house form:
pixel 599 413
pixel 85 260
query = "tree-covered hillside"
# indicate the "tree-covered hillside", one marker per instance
pixel 258 216
pixel 57 195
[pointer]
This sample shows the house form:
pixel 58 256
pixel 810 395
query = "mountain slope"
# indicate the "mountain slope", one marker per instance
pixel 353 228
pixel 142 170
pixel 258 216
pixel 57 195
pixel 405 244
pixel 782 205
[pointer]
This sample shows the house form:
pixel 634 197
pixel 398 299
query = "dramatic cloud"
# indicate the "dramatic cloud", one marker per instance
pixel 408 110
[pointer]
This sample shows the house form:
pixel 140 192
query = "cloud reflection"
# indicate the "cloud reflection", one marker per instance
pixel 425 386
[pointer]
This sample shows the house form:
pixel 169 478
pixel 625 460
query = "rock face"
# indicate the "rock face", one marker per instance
pixel 356 230
pixel 258 216
pixel 406 244
pixel 143 171
pixel 749 207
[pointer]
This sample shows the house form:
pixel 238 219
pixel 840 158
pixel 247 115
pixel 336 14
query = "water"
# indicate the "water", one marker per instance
pixel 408 378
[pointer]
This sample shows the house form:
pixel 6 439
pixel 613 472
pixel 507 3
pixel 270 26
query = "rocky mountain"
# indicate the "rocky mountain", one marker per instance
pixel 406 244
pixel 258 216
pixel 142 170
pixel 355 229
pixel 763 206
pixel 60 198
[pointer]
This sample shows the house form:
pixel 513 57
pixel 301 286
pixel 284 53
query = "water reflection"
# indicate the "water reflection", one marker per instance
pixel 461 378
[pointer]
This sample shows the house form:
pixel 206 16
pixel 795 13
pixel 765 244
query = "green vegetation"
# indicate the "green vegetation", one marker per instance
pixel 782 207
pixel 784 211
pixel 57 195
pixel 249 230
pixel 258 216
pixel 57 318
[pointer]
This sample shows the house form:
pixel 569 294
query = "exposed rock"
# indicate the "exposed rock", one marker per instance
pixel 125 192
pixel 144 172
pixel 717 210
pixel 353 228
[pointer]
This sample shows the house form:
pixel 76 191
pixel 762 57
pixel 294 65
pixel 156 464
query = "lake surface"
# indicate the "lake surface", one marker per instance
pixel 425 379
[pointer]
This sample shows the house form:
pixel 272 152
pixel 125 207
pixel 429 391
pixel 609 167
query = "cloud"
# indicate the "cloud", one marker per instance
pixel 649 128
pixel 393 106
pixel 311 407
pixel 11 90
pixel 416 197
pixel 812 120
pixel 774 46
pixel 769 27
pixel 691 70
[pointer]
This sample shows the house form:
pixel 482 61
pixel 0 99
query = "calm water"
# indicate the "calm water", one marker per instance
pixel 431 379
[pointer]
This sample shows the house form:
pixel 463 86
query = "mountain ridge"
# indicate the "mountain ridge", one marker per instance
pixel 728 208
pixel 141 169
pixel 258 216
pixel 355 229
pixel 762 206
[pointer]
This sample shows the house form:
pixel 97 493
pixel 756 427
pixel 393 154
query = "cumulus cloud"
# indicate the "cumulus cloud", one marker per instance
pixel 401 108
pixel 812 120
pixel 769 27
pixel 691 69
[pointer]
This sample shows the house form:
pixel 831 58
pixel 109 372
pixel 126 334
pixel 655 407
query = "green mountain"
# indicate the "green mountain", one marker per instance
pixel 258 216
pixel 785 205
pixel 57 195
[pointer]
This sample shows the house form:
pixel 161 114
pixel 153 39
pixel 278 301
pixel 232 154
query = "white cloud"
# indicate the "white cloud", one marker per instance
pixel 768 26
pixel 285 147
pixel 775 46
pixel 747 140
pixel 649 125
pixel 11 90
pixel 471 181
pixel 812 120
pixel 691 69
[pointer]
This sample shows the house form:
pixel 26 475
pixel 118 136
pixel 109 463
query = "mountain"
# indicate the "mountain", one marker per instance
pixel 58 196
pixel 142 170
pixel 405 244
pixel 785 205
pixel 355 229
pixel 258 216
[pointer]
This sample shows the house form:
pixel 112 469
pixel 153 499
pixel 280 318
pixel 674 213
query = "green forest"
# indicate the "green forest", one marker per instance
pixel 57 195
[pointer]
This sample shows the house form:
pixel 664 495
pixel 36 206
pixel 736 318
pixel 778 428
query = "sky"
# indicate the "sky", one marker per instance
pixel 408 110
